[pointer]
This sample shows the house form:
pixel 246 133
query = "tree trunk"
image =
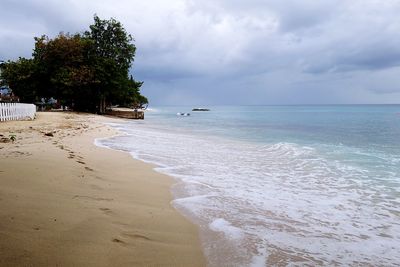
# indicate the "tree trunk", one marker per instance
pixel 102 105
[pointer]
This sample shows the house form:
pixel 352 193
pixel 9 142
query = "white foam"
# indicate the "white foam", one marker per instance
pixel 281 196
pixel 231 232
pixel 151 110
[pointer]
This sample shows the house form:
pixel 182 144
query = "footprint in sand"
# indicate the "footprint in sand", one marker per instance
pixel 116 240
pixel 137 236
pixel 106 210
pixel 93 198
pixel 89 169
pixel 19 153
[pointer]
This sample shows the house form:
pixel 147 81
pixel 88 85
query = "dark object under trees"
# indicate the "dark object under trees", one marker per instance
pixel 85 71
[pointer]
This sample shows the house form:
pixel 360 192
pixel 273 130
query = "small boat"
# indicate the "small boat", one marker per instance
pixel 200 109
pixel 182 114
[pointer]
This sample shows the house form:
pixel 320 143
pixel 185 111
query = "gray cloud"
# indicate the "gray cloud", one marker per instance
pixel 237 52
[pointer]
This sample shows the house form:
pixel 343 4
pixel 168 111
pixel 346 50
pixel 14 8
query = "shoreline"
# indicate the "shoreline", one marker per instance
pixel 65 200
pixel 239 187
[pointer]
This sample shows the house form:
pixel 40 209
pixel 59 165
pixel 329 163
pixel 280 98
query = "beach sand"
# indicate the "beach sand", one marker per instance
pixel 66 202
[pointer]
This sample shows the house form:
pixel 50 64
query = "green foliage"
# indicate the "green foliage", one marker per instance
pixel 134 97
pixel 21 77
pixel 86 71
pixel 112 54
pixel 66 68
pixel 112 44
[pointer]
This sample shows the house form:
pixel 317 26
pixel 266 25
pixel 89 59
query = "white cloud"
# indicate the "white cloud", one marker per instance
pixel 277 51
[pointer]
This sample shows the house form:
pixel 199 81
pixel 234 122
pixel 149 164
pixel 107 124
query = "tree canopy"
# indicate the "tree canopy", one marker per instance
pixel 85 71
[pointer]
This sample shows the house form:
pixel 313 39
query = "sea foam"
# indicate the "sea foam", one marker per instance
pixel 257 203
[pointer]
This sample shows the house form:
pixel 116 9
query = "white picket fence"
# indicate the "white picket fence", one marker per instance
pixel 17 111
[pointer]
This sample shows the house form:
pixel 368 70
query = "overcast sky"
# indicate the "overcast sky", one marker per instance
pixel 236 52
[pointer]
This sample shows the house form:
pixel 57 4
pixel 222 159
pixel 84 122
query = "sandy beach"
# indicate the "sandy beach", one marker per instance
pixel 66 202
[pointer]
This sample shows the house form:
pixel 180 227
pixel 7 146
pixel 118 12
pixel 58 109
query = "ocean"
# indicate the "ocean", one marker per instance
pixel 280 185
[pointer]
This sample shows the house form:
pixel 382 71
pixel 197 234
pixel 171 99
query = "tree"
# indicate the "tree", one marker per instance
pixel 134 97
pixel 20 76
pixel 112 55
pixel 86 71
pixel 63 66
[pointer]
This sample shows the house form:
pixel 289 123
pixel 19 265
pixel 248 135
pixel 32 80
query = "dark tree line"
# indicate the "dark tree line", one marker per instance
pixel 85 71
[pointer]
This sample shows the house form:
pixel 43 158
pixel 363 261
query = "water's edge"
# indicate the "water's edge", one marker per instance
pixel 203 229
pixel 275 200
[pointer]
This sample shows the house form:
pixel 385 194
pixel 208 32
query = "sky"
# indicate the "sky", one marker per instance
pixel 231 52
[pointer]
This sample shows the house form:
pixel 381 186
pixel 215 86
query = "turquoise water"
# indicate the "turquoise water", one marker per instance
pixel 300 185
pixel 358 125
